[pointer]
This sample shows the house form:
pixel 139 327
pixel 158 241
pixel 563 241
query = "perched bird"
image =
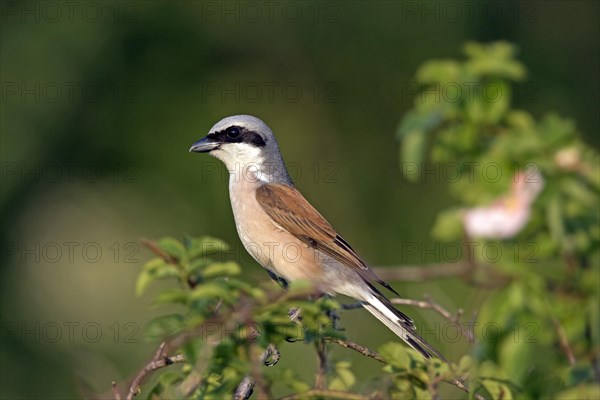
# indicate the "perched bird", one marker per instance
pixel 285 234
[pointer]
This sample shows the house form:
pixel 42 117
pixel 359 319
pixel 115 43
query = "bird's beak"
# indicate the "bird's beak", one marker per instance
pixel 204 145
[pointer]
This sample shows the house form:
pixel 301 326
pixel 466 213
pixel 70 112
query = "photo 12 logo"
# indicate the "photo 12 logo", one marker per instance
pixel 470 171
pixel 270 12
pixel 468 92
pixel 471 251
pixel 36 92
pixel 53 12
pixel 68 172
pixel 470 11
pixel 70 252
pixel 489 332
pixel 317 172
pixel 69 332
pixel 269 92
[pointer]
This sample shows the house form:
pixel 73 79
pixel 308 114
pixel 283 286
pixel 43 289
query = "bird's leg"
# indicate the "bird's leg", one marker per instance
pixel 334 317
pixel 295 314
pixel 332 314
pixel 352 306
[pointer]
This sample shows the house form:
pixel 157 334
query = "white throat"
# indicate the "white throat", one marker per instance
pixel 250 164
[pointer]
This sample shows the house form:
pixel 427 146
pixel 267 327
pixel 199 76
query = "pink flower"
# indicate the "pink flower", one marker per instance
pixel 508 215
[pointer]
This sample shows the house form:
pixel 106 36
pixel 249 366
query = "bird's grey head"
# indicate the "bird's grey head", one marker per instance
pixel 246 145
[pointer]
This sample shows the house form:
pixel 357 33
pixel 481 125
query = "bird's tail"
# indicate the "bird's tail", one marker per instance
pixel 399 323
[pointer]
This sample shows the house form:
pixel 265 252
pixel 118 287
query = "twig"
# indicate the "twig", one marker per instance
pixel 328 394
pixel 269 357
pixel 429 303
pixel 433 385
pixel 423 273
pixel 153 247
pixel 357 347
pixel 374 355
pixel 115 391
pixel 463 270
pixel 564 342
pixel 461 385
pixel 321 377
pixel 244 389
pixel 257 377
pixel 178 341
pixel 159 360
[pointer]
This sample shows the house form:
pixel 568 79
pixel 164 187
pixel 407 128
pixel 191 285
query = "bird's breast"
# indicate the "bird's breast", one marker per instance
pixel 271 246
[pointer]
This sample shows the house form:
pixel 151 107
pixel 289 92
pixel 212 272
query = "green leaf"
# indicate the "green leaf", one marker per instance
pixel 172 247
pixel 497 389
pixel 210 290
pixel 291 379
pixel 198 264
pixel 154 269
pixel 442 71
pixel 170 378
pixel 172 296
pixel 344 378
pixel 412 153
pixel 144 279
pixel 555 221
pixel 464 365
pixel 419 377
pixel 494 380
pixel 520 355
pixel 396 355
pixel 493 60
pixel 497 96
pixel 221 269
pixel 245 287
pixel 164 326
pixel 582 392
pixel 205 246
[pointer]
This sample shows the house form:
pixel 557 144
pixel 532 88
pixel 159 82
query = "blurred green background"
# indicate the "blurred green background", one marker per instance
pixel 102 100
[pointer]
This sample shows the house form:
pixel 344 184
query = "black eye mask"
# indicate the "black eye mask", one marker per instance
pixel 236 134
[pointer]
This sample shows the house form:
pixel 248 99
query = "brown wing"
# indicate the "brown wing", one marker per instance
pixel 290 210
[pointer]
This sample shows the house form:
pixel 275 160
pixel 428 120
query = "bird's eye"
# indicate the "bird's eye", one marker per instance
pixel 233 132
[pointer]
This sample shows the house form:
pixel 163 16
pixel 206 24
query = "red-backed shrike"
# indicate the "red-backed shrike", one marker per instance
pixel 270 211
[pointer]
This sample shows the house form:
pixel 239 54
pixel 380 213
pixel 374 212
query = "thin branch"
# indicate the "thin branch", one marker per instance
pixel 269 357
pixel 433 385
pixel 244 389
pixel 179 340
pixel 357 347
pixel 564 342
pixel 115 391
pixel 429 303
pixel 321 377
pixel 257 377
pixel 461 385
pixel 159 360
pixel 328 394
pixel 374 355
pixel 153 247
pixel 463 270
pixel 244 312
